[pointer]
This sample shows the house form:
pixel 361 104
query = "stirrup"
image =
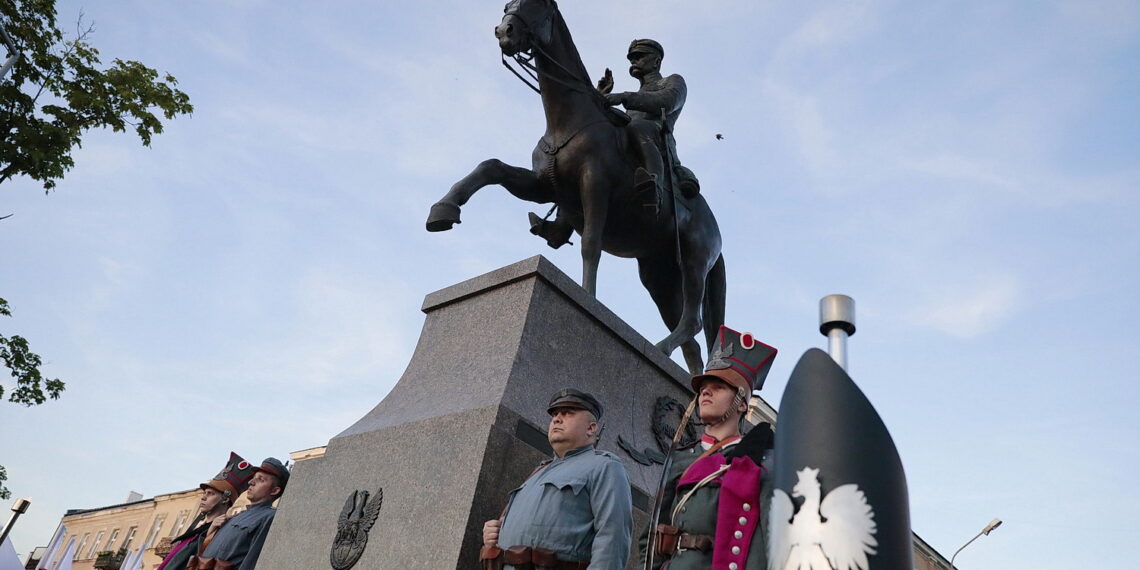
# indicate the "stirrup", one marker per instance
pixel 556 235
pixel 644 182
pixel 647 190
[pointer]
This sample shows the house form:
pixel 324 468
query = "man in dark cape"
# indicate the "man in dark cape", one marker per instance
pixel 218 495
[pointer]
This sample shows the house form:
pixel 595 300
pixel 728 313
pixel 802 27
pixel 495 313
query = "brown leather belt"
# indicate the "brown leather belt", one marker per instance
pixel 527 558
pixel 670 540
pixel 702 542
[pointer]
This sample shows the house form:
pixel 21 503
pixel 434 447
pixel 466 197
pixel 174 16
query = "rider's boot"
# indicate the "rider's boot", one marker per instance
pixel 649 179
pixel 556 232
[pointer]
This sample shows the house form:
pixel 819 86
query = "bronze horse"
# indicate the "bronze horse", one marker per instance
pixel 584 164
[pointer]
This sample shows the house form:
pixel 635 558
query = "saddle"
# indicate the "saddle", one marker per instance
pixel 682 180
pixel 616 116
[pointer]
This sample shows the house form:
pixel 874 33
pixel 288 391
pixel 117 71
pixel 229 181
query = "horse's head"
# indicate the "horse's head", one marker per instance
pixel 524 23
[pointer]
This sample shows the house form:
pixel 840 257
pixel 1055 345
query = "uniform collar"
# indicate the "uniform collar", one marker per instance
pixel 574 452
pixel 708 441
pixel 651 78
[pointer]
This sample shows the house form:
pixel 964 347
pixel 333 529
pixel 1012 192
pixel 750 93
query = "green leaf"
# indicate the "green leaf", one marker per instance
pixel 59 90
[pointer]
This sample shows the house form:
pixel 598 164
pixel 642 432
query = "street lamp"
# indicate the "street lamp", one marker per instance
pixel 18 509
pixel 986 531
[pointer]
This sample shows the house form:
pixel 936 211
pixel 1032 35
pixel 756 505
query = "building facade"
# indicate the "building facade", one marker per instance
pixel 104 535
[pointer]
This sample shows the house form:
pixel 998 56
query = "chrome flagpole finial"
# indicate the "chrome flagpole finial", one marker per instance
pixel 837 322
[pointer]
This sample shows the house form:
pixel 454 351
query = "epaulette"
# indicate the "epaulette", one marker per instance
pixel 754 444
pixel 605 453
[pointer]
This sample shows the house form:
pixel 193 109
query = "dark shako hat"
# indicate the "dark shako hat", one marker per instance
pixel 646 46
pixel 571 398
pixel 273 466
pixel 233 479
pixel 739 360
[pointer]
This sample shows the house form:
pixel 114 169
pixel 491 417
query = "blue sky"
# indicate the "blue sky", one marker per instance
pixel 967 171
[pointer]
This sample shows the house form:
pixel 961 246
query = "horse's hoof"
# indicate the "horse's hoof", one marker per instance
pixel 442 216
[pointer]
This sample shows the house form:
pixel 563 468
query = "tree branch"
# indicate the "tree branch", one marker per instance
pixel 79 37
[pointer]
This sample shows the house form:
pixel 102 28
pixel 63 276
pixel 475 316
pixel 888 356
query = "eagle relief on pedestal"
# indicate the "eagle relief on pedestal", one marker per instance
pixel 356 519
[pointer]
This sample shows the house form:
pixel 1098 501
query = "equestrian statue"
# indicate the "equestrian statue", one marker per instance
pixel 612 175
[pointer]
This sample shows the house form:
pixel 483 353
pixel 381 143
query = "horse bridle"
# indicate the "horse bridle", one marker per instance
pixel 525 60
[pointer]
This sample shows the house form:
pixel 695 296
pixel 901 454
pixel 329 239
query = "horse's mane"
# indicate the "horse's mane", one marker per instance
pixel 559 28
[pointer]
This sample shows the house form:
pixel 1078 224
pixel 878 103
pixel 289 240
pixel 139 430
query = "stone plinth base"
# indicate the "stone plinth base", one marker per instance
pixel 466 422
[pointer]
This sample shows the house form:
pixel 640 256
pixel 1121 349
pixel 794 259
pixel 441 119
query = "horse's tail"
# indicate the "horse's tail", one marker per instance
pixel 713 303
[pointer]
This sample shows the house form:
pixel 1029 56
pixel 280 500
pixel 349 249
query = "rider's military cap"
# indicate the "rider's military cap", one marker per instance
pixel 273 466
pixel 571 398
pixel 739 360
pixel 233 479
pixel 646 46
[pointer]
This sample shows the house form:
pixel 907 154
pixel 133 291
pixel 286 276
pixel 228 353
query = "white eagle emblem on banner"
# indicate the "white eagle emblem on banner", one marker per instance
pixel 835 534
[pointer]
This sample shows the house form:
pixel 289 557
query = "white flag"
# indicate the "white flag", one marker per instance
pixel 9 560
pixel 139 560
pixel 127 561
pixel 133 561
pixel 53 546
pixel 65 561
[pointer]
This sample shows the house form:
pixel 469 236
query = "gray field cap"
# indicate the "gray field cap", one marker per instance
pixel 571 398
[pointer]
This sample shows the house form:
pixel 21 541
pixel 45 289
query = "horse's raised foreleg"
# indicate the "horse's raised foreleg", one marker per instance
pixel 521 182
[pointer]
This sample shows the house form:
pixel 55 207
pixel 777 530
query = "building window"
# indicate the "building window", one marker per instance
pixel 59 559
pixel 111 541
pixel 179 523
pixel 95 545
pixel 155 528
pixel 82 543
pixel 130 537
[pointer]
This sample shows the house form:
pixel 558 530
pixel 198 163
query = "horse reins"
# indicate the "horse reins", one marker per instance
pixel 574 83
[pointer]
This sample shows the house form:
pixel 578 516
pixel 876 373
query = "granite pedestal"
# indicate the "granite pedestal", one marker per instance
pixel 466 422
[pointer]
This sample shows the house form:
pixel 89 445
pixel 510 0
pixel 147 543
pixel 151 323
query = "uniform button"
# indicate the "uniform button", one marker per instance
pixel 747 507
pixel 738 534
pixel 736 550
pixel 684 509
pixel 743 521
pixel 732 566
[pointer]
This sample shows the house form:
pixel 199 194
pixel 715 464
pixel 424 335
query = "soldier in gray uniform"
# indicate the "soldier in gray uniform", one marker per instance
pixel 712 500
pixel 237 545
pixel 575 511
